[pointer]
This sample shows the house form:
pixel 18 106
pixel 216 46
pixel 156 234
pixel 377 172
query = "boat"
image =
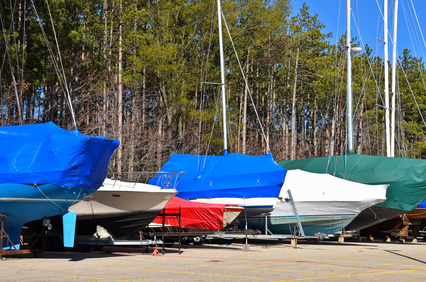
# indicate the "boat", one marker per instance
pixel 195 216
pixel 45 169
pixel 252 182
pixel 406 177
pixel 324 204
pixel 409 225
pixel 121 207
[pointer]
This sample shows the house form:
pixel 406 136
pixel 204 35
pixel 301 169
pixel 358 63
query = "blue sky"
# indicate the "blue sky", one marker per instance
pixel 367 22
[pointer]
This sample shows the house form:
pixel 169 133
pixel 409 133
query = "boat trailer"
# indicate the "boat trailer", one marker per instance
pixel 297 234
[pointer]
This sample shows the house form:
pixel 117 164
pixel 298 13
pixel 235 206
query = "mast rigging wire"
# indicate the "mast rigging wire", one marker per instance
pixel 403 71
pixel 10 63
pixel 62 80
pixel 246 83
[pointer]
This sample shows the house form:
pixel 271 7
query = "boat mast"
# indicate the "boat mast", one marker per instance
pixel 386 58
pixel 222 76
pixel 395 22
pixel 349 78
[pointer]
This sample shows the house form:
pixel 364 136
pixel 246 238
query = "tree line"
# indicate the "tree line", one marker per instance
pixel 147 73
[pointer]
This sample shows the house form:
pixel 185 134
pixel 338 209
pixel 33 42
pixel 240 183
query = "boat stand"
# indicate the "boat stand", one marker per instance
pixel 299 228
pixel 298 233
pixel 14 251
pixel 296 214
pixel 165 214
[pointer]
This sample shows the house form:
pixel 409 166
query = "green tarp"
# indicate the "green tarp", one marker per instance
pixel 406 177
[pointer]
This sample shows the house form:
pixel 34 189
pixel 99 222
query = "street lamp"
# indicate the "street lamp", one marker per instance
pixel 356 50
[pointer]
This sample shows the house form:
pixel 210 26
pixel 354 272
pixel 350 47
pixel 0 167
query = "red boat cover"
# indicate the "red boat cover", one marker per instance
pixel 193 214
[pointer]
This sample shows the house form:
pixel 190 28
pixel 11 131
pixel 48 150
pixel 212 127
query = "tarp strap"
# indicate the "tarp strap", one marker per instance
pixel 375 215
pixel 35 185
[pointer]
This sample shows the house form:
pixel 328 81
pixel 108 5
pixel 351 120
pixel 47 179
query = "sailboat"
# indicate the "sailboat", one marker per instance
pixel 45 169
pixel 406 177
pixel 324 204
pixel 253 182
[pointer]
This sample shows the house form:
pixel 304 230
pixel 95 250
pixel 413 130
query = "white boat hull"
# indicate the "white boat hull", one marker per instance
pixel 324 203
pixel 121 207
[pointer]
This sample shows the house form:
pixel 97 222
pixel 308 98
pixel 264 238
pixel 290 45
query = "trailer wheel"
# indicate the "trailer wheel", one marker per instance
pixel 185 241
pixel 198 240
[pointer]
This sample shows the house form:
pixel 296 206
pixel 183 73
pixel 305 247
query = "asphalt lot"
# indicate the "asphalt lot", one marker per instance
pixel 264 261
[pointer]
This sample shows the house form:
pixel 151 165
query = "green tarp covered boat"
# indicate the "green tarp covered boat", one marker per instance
pixel 406 179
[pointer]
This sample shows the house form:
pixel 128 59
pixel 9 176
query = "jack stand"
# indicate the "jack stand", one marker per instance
pixel 155 252
pixel 296 214
pixel 15 251
pixel 246 246
pixel 294 241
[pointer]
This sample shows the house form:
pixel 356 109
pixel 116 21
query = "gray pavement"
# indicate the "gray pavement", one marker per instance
pixel 265 261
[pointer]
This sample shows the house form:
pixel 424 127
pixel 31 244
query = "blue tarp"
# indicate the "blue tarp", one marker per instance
pixel 45 153
pixel 44 169
pixel 422 205
pixel 231 175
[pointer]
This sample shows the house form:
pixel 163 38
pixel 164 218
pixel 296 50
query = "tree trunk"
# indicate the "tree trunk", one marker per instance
pixel 120 88
pixel 315 129
pixel 258 130
pixel 333 127
pixel 293 111
pixel 272 106
pixel 105 98
pixel 159 141
pixel 240 117
pixel 143 101
pixel 360 129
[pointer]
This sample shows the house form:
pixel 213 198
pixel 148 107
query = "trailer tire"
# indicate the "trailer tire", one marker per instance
pixel 185 241
pixel 198 240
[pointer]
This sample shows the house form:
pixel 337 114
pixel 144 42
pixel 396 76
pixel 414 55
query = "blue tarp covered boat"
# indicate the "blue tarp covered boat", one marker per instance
pixel 45 169
pixel 253 182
